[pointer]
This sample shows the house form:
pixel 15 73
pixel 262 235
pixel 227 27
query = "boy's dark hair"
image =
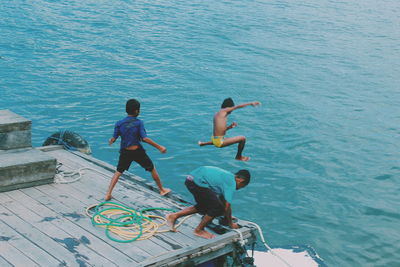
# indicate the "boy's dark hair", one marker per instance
pixel 244 174
pixel 228 102
pixel 132 106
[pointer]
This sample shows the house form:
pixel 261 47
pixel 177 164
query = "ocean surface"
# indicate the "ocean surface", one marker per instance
pixel 324 145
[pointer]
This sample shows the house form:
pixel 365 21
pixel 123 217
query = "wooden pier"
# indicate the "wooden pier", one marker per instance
pixel 46 225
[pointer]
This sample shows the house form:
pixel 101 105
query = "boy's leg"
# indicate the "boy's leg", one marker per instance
pixel 156 177
pixel 241 140
pixel 208 203
pixel 172 217
pixel 199 230
pixel 205 143
pixel 124 162
pixel 204 197
pixel 143 160
pixel 113 182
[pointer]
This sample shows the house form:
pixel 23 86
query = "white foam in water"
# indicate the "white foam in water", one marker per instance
pixel 280 257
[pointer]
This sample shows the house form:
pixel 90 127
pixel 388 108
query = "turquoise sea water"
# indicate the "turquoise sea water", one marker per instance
pixel 324 145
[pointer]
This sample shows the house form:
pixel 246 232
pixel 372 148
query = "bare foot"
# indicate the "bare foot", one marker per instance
pixel 204 143
pixel 165 191
pixel 107 197
pixel 243 158
pixel 204 234
pixel 171 221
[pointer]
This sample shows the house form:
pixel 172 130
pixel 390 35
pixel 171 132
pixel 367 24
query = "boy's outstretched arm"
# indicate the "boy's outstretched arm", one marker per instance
pixel 255 103
pixel 228 216
pixel 161 148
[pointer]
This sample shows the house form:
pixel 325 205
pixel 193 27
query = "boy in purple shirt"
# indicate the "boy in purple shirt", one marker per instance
pixel 132 133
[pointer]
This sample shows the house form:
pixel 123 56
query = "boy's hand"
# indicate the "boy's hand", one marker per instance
pixel 234 226
pixel 233 125
pixel 111 141
pixel 255 103
pixel 163 149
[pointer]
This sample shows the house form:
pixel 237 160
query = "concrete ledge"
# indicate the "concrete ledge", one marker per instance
pixel 20 168
pixel 26 185
pixel 15 131
pixel 16 139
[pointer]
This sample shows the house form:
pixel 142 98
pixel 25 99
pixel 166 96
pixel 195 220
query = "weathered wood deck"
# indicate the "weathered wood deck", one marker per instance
pixel 46 225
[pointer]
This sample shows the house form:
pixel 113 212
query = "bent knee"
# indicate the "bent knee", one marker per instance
pixel 216 211
pixel 149 167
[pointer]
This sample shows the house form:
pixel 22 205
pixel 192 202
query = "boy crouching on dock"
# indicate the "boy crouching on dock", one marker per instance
pixel 212 189
pixel 132 132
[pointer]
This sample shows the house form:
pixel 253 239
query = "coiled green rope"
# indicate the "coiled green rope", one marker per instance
pixel 130 225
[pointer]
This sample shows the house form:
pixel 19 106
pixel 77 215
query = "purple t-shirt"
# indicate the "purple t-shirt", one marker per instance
pixel 131 130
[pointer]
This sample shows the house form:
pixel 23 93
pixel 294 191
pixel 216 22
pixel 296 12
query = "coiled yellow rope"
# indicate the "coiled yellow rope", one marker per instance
pixel 126 223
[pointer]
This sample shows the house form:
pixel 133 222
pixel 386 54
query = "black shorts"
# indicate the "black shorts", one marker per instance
pixel 139 155
pixel 207 201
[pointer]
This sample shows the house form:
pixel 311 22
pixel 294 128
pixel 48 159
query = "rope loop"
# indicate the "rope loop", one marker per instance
pixel 123 224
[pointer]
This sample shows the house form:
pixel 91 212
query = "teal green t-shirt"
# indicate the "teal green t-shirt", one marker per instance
pixel 218 180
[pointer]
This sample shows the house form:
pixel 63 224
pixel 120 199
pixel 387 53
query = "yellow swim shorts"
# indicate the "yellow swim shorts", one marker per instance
pixel 217 140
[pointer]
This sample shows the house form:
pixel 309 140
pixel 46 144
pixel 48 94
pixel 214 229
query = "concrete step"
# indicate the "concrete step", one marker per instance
pixel 20 168
pixel 15 131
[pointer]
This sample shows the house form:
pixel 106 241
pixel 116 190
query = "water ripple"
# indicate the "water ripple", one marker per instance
pixel 324 145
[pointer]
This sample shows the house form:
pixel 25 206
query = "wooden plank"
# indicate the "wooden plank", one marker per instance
pixel 134 252
pixel 143 183
pixel 130 194
pixel 159 246
pixel 30 249
pixel 3 261
pixel 76 246
pixel 86 224
pixel 203 251
pixel 186 229
pixel 14 256
pixel 40 239
pixel 74 163
pixel 131 199
pixel 102 165
pixel 188 225
pixel 76 160
pixel 68 225
pixel 89 201
pixel 124 192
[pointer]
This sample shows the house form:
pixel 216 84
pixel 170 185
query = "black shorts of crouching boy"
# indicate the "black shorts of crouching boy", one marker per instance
pixel 207 201
pixel 139 155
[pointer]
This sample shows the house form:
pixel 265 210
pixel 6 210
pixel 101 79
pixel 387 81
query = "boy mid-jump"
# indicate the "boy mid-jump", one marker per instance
pixel 132 133
pixel 220 127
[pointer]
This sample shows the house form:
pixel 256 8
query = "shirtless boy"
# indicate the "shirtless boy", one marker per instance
pixel 220 127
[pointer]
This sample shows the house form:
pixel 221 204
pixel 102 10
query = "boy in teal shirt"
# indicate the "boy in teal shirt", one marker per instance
pixel 212 189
